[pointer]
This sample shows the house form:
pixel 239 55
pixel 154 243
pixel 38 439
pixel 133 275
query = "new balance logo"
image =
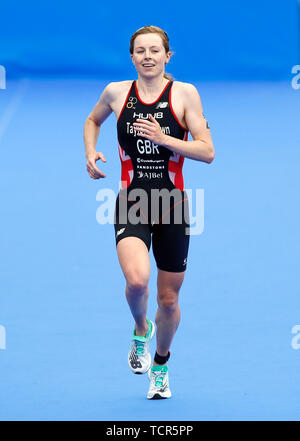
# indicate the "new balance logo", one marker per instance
pixel 120 232
pixel 162 105
pixel 134 361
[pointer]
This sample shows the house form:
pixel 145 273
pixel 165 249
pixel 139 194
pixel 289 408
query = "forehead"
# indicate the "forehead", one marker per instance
pixel 148 40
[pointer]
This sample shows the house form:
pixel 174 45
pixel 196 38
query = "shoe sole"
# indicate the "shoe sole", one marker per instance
pixel 159 397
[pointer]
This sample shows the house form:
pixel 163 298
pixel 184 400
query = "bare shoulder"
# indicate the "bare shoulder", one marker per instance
pixel 185 89
pixel 189 96
pixel 115 89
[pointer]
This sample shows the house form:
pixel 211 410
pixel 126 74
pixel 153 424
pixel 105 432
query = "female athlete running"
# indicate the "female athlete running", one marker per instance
pixel 154 115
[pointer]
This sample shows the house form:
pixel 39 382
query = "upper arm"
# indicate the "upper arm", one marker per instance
pixel 103 108
pixel 193 115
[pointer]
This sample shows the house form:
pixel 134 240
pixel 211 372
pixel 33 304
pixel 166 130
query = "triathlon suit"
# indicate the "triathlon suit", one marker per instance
pixel 147 169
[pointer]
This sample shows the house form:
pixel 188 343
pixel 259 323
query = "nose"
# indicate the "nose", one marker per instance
pixel 147 54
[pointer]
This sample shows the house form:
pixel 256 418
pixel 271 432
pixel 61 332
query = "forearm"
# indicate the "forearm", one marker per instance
pixel 90 135
pixel 197 149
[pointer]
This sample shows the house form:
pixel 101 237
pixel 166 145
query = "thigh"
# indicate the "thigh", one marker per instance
pixel 170 247
pixel 124 229
pixel 134 259
pixel 169 284
pixel 133 243
pixel 171 238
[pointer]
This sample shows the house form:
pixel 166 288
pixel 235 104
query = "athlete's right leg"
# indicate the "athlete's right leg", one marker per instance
pixel 134 259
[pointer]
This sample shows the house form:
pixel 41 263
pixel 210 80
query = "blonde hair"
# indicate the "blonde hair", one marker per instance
pixel 153 30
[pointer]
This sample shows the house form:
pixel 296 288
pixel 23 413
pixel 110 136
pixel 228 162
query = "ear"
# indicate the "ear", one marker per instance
pixel 168 55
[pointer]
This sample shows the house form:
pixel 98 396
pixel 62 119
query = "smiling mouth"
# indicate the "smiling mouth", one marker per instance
pixel 148 65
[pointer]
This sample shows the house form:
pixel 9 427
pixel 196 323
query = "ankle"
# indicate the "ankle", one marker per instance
pixel 141 330
pixel 161 360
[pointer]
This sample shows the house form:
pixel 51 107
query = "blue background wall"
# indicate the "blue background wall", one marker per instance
pixel 213 40
pixel 62 301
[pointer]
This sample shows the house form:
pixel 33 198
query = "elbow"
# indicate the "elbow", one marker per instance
pixel 211 155
pixel 91 119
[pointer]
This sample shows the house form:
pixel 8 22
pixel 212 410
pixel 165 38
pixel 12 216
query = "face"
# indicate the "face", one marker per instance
pixel 149 55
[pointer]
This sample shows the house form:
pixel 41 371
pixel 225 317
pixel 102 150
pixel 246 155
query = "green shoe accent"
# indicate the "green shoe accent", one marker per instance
pixel 149 330
pixel 156 368
pixel 140 345
pixel 139 338
pixel 161 371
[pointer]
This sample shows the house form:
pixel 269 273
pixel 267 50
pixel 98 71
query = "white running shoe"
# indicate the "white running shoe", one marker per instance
pixel 159 383
pixel 139 357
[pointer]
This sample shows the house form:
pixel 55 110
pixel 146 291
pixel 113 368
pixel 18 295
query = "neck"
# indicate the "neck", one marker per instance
pixel 151 86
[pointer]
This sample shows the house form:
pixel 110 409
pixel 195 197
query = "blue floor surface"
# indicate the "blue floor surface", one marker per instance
pixel 62 302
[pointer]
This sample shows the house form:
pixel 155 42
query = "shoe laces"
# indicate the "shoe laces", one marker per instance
pixel 159 377
pixel 139 347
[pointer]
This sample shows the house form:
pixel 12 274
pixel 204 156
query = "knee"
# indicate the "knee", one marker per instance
pixel 168 301
pixel 137 284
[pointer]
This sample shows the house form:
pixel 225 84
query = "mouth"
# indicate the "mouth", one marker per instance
pixel 148 65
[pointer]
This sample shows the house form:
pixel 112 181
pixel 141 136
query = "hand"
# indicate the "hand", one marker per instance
pixel 150 130
pixel 91 166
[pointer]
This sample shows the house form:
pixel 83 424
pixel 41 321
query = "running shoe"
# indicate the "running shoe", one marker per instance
pixel 139 357
pixel 159 383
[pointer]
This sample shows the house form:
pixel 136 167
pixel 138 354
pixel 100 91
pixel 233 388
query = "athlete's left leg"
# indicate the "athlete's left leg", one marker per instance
pixel 168 312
